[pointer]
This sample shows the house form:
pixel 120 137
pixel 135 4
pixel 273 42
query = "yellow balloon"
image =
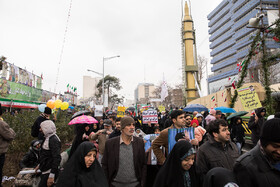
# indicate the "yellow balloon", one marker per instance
pixel 50 104
pixel 57 103
pixel 64 106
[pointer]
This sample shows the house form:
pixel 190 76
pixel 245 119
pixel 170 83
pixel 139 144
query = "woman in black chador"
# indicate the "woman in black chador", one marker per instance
pixel 178 169
pixel 83 169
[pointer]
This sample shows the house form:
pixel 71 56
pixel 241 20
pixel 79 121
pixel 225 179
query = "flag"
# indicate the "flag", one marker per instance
pixel 164 91
pixel 233 84
pixel 213 98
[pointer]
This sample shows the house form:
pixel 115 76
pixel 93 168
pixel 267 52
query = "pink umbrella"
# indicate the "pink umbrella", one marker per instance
pixel 83 119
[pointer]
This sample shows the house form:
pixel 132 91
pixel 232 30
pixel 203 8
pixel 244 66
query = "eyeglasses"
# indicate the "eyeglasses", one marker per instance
pixel 188 118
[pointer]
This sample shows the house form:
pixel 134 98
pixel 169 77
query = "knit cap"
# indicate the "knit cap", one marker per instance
pixel 126 121
pixel 194 123
pixel 48 111
pixel 271 131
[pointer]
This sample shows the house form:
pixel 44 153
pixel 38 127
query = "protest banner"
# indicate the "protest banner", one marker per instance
pixel 249 98
pixel 176 134
pixel 150 116
pixel 98 112
pixel 120 112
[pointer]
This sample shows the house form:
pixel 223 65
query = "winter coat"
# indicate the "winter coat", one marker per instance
pixel 253 169
pixel 199 133
pixel 115 133
pixel 7 134
pixel 161 140
pixel 212 154
pixel 51 147
pixel 50 159
pixel 110 161
pixel 30 159
pixel 237 132
pixel 256 127
pixel 102 138
pixel 35 130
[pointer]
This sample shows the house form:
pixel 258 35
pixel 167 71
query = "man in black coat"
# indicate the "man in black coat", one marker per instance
pixel 256 123
pixel 261 166
pixel 117 131
pixel 35 131
pixel 124 161
pixel 218 151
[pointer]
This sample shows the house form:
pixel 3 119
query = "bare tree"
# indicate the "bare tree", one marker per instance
pixel 201 63
pixel 167 101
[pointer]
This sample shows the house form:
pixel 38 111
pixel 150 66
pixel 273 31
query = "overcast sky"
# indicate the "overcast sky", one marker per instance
pixel 146 34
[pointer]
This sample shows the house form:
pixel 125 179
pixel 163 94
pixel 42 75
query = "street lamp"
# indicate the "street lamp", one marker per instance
pixel 102 74
pixel 106 59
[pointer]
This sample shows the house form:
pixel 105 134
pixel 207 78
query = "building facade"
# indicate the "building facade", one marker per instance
pixel 231 38
pixel 89 86
pixel 144 92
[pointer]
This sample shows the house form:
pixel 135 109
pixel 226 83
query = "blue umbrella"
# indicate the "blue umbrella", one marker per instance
pixel 225 109
pixel 195 107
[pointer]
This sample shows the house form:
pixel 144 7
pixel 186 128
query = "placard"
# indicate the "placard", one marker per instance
pixel 161 108
pixel 150 116
pixel 174 135
pixel 98 112
pixel 249 98
pixel 120 112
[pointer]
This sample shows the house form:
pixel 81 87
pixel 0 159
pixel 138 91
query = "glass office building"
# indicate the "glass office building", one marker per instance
pixel 230 38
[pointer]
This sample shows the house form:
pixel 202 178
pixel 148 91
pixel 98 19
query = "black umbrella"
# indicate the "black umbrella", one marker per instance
pixel 83 112
pixel 240 113
pixel 130 108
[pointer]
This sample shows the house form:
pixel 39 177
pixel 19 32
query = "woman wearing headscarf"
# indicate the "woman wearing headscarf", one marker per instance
pixel 50 154
pixel 83 169
pixel 79 131
pixel 220 177
pixel 178 169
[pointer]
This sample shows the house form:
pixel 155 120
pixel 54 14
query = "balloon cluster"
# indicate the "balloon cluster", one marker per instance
pixel 54 104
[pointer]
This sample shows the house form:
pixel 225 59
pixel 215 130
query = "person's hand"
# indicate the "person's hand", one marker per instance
pixel 36 169
pixel 149 124
pixel 99 132
pixel 194 142
pixel 50 182
pixel 256 119
pixel 108 132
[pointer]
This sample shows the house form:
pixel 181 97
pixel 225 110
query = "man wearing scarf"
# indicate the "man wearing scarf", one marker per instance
pixel 261 165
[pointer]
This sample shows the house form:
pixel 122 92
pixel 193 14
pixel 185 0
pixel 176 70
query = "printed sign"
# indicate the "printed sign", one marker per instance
pixel 98 112
pixel 120 112
pixel 161 108
pixel 249 98
pixel 174 135
pixel 150 116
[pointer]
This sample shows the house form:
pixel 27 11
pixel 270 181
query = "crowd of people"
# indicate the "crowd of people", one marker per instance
pixel 124 152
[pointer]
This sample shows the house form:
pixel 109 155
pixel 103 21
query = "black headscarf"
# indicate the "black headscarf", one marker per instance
pixel 95 130
pixel 219 177
pixel 171 174
pixel 76 174
pixel 79 131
